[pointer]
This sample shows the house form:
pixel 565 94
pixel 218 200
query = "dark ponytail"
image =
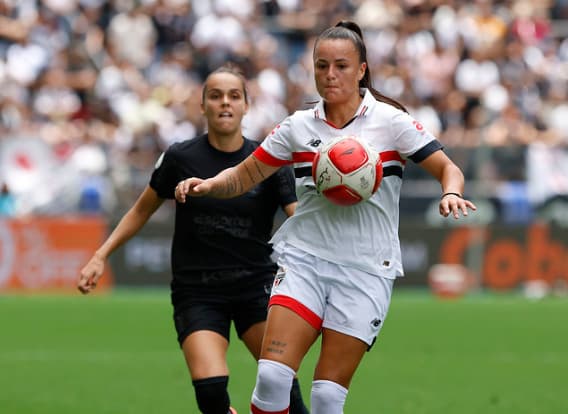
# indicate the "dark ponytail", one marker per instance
pixel 351 31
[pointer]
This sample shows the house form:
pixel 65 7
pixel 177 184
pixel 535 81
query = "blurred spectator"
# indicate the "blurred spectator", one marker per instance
pixel 132 35
pixel 7 202
pixel 482 74
pixel 547 180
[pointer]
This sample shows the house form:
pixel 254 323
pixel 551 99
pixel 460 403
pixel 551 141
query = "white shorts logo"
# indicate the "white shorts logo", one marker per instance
pixel 279 278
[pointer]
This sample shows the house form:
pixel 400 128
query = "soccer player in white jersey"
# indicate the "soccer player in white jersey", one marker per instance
pixel 337 264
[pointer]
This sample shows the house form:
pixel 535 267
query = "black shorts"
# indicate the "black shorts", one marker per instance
pixel 213 308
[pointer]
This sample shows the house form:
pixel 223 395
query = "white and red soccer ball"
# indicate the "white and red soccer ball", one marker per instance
pixel 347 170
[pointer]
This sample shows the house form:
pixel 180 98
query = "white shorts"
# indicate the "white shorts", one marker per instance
pixel 332 296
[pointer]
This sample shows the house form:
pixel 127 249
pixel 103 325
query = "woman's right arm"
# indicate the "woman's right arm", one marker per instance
pixel 129 225
pixel 229 183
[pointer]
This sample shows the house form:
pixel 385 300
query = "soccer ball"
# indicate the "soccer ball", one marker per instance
pixel 347 170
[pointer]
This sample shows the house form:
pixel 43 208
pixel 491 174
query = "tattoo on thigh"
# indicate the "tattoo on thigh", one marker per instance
pixel 276 347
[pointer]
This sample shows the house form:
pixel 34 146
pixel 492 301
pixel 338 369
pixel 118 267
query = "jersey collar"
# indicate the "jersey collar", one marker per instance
pixel 366 104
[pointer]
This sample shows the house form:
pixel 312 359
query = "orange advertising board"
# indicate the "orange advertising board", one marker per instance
pixel 46 254
pixel 508 261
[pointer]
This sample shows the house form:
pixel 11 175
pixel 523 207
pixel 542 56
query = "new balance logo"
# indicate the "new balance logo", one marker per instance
pixel 376 322
pixel 314 142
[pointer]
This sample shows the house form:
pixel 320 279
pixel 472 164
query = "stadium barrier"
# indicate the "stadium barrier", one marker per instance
pixel 46 254
pixel 499 256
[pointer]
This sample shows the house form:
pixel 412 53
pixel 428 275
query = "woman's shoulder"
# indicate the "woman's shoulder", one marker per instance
pixel 183 146
pixel 298 117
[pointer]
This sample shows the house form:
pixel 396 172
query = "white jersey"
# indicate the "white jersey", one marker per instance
pixel 364 236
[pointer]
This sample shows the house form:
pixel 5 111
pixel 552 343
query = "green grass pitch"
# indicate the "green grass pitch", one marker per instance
pixel 117 354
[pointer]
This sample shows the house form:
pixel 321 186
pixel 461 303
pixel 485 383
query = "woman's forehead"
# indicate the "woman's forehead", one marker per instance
pixel 335 48
pixel 223 80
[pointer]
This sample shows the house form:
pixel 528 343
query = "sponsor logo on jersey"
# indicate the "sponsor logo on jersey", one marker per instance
pixel 419 127
pixel 314 142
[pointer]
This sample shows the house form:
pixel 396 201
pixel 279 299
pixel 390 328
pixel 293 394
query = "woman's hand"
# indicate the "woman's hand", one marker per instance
pixel 90 274
pixel 194 187
pixel 454 203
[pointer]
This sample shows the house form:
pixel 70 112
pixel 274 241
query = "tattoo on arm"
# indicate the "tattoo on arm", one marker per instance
pixel 276 347
pixel 231 187
pixel 254 178
pixel 232 183
pixel 258 169
pixel 251 177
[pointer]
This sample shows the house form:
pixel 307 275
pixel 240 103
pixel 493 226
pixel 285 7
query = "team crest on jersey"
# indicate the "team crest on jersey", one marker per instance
pixel 279 278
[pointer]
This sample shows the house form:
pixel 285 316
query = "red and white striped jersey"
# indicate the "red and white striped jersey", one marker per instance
pixel 364 236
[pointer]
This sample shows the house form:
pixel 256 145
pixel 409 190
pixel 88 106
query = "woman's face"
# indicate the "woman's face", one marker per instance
pixel 224 103
pixel 337 70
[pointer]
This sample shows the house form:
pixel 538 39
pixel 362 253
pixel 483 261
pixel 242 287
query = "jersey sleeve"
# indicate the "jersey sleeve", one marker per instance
pixel 412 140
pixel 164 178
pixel 276 149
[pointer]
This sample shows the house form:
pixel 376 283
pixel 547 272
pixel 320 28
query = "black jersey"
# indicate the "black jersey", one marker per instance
pixel 219 239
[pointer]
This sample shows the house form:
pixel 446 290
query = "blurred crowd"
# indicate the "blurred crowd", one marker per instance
pixel 91 91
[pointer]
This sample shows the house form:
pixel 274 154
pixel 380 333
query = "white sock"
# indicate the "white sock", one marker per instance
pixel 327 397
pixel 272 391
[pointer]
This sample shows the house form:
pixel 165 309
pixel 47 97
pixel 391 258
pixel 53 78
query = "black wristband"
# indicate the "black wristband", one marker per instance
pixel 455 194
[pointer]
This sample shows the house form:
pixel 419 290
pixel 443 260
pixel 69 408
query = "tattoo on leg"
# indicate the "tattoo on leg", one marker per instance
pixel 276 347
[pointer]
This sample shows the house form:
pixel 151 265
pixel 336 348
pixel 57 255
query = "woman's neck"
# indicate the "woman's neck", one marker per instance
pixel 340 114
pixel 226 142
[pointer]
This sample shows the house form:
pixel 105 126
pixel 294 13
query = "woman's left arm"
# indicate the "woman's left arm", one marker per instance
pixel 452 181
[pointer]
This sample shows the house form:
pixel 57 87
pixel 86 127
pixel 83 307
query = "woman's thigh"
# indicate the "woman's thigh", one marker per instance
pixel 287 337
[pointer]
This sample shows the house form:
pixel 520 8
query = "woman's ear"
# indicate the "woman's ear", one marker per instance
pixel 362 70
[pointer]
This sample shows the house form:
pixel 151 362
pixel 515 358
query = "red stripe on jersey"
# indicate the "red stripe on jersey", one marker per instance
pixel 255 410
pixel 298 308
pixel 266 158
pixel 303 156
pixel 331 124
pixel 391 156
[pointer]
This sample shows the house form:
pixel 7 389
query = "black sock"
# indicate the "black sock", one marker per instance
pixel 211 395
pixel 296 402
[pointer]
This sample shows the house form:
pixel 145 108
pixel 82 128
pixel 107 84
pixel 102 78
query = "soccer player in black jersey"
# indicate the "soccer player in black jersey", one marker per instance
pixel 221 265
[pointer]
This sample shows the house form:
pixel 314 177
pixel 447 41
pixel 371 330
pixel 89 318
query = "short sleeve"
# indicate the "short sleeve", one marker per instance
pixel 164 178
pixel 412 140
pixel 276 149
